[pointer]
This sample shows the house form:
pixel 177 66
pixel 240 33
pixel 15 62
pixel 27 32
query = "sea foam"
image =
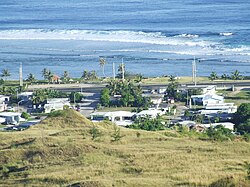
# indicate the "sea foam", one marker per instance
pixel 226 34
pixel 110 36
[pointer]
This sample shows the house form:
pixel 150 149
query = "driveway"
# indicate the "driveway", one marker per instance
pixel 89 103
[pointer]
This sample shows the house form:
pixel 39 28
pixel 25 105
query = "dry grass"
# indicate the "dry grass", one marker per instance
pixel 181 80
pixel 59 152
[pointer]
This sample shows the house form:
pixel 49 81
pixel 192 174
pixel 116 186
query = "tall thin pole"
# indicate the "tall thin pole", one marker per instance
pixel 122 71
pixel 21 74
pixel 194 71
pixel 113 70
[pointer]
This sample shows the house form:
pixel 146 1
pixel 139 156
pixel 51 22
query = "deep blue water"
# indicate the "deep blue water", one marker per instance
pixel 153 37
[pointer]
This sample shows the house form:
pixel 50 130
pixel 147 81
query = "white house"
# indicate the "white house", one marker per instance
pixel 208 99
pixel 121 118
pixel 223 107
pixel 212 99
pixel 56 104
pixel 97 116
pixel 227 125
pixel 12 117
pixel 151 113
pixel 156 99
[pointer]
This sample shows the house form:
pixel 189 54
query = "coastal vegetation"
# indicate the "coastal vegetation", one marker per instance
pixel 67 149
pixel 128 95
pixel 242 118
pixel 234 76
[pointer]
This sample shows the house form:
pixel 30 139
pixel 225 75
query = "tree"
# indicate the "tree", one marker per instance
pixel 92 75
pixel 199 118
pixel 146 123
pixel 102 63
pixel 187 114
pixel 89 75
pixel 213 76
pixel 242 118
pixel 243 113
pixel 117 134
pixel 65 75
pixel 85 74
pixel 41 95
pixel 245 126
pixel 236 75
pixel 31 78
pixel 219 133
pixel 121 68
pixel 138 78
pixel 5 73
pixel 172 90
pixel 105 97
pixel 45 72
pixel 50 76
pixel 172 78
pixel 95 133
pixel 75 97
pixel 224 76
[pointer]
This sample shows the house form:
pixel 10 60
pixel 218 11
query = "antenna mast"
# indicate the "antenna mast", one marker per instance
pixel 123 71
pixel 21 74
pixel 194 72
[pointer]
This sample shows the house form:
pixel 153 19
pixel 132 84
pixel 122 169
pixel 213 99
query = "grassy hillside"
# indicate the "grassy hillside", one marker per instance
pixel 60 152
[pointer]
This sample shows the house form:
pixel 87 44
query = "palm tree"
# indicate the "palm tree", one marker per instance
pixel 5 73
pixel 102 63
pixel 172 78
pixel 213 76
pixel 224 76
pixel 45 72
pixel 65 75
pixel 236 75
pixel 31 78
pixel 50 76
pixel 85 74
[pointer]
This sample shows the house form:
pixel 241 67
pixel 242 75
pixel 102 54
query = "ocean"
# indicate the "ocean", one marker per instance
pixel 153 38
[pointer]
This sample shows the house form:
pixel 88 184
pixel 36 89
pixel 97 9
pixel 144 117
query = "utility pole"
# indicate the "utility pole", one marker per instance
pixel 21 74
pixel 122 71
pixel 113 70
pixel 194 72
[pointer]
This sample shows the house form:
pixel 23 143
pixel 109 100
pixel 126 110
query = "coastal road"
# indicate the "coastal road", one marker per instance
pixel 96 88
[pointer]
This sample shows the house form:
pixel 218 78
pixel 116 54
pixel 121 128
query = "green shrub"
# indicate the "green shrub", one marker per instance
pixel 220 133
pixel 95 133
pixel 117 134
pixel 146 123
pixel 25 115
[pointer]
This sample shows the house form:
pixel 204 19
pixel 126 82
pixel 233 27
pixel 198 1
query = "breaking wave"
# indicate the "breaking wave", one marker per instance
pixel 226 34
pixel 111 36
pixel 188 35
